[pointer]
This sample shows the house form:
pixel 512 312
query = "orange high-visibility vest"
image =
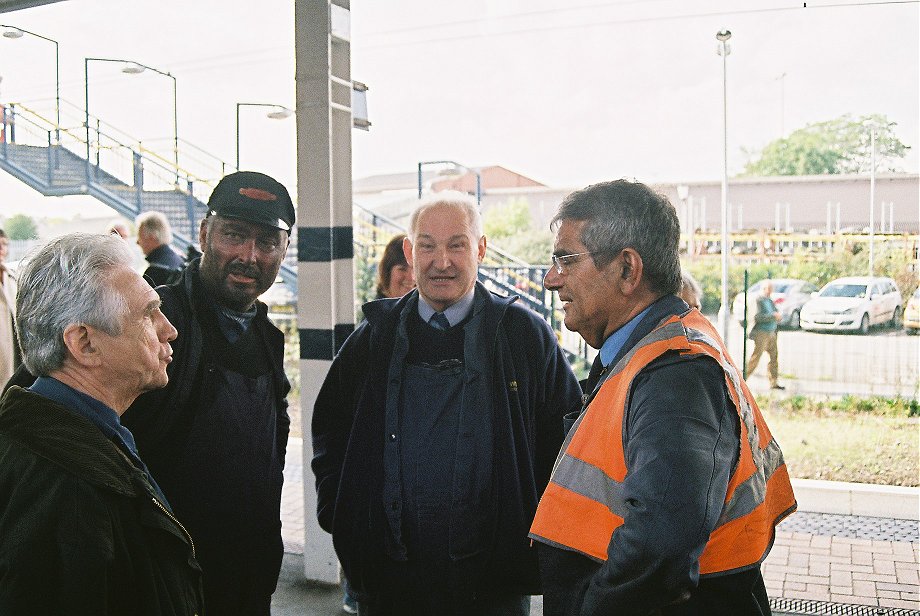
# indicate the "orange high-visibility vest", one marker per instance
pixel 583 506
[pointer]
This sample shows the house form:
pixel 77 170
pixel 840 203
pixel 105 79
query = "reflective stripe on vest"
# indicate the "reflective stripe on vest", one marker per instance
pixel 584 504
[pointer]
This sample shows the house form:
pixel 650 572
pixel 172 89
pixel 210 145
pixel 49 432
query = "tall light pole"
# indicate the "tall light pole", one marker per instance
pixel 280 113
pixel 782 105
pixel 133 68
pixel 13 32
pixel 872 128
pixel 456 165
pixel 723 50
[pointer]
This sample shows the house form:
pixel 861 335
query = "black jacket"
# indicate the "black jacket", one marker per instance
pixel 165 265
pixel 81 531
pixel 529 386
pixel 244 536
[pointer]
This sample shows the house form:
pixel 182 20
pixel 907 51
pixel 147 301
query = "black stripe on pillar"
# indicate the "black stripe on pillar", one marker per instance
pixel 317 343
pixel 314 246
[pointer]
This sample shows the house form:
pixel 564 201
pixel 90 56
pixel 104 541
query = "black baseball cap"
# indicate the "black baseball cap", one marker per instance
pixel 254 197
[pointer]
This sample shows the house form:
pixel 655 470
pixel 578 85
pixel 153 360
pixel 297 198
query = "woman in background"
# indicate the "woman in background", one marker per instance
pixel 394 276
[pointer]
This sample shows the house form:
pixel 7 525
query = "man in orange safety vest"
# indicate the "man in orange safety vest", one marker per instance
pixel 668 487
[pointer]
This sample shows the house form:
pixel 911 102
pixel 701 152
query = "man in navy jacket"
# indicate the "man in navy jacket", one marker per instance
pixel 435 432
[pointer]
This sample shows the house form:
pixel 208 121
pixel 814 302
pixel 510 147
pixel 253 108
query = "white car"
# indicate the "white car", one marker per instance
pixel 789 295
pixel 854 304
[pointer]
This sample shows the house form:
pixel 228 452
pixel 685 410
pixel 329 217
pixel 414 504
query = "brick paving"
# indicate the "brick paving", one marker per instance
pixel 848 570
pixel 817 564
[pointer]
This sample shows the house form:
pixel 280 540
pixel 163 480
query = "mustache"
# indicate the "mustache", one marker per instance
pixel 242 269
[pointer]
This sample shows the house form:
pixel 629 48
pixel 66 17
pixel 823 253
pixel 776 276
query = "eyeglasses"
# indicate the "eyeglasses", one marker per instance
pixel 560 261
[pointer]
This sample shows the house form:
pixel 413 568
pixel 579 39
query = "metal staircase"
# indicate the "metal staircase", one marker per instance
pixel 102 162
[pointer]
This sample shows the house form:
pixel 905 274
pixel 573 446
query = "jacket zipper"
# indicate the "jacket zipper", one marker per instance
pixel 178 523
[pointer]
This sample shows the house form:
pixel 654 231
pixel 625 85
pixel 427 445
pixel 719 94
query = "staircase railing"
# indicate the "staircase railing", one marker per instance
pixel 120 171
pixel 132 177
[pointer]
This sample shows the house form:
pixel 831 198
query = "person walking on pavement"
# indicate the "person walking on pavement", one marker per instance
pixel 764 335
pixel 435 431
pixel 667 490
pixel 154 236
pixel 84 526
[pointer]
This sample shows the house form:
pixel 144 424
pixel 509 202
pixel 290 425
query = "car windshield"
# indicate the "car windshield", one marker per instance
pixel 843 290
pixel 781 287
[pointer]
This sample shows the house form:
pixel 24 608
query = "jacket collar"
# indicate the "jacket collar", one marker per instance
pixel 382 311
pixel 67 440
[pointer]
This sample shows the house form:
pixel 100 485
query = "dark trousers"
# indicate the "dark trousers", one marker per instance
pixel 414 589
pixel 484 604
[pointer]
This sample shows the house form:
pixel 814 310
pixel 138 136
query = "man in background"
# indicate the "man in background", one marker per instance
pixel 84 526
pixel 154 236
pixel 764 334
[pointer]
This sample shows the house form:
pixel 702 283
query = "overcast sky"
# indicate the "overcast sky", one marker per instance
pixel 566 93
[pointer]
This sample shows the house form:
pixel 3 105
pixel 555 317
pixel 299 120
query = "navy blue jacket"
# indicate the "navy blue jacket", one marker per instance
pixel 515 374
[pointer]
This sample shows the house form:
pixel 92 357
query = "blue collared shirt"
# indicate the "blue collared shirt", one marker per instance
pixel 455 313
pixel 615 341
pixel 100 414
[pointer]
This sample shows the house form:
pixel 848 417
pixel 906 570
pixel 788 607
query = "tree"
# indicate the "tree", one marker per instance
pixel 510 227
pixel 842 145
pixel 507 219
pixel 21 227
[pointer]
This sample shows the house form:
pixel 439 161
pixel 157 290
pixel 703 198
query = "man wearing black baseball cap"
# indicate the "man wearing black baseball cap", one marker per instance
pixel 215 437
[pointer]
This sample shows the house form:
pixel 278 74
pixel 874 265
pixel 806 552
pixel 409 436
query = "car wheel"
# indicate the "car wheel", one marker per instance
pixel 864 325
pixel 896 319
pixel 794 321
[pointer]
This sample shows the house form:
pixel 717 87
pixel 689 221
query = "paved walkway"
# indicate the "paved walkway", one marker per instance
pixel 864 566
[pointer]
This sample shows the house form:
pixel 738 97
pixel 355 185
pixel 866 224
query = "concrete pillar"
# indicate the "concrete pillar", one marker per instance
pixel 325 306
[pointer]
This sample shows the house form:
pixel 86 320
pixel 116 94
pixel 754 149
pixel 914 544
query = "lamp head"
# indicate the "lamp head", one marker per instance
pixel 12 33
pixel 723 35
pixel 133 69
pixel 280 113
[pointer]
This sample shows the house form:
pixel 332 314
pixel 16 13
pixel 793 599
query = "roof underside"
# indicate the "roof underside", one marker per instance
pixel 14 5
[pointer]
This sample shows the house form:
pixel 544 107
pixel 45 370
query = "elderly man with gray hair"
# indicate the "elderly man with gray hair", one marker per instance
pixel 84 528
pixel 435 432
pixel 154 236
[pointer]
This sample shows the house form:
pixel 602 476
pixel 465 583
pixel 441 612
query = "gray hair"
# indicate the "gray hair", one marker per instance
pixel 155 225
pixel 689 283
pixel 450 198
pixel 628 214
pixel 65 283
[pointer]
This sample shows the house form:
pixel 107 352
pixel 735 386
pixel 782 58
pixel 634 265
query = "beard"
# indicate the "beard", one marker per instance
pixel 232 294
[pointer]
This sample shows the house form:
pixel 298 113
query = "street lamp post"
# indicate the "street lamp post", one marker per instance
pixel 723 50
pixel 872 128
pixel 457 165
pixel 683 193
pixel 13 32
pixel 280 113
pixel 133 68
